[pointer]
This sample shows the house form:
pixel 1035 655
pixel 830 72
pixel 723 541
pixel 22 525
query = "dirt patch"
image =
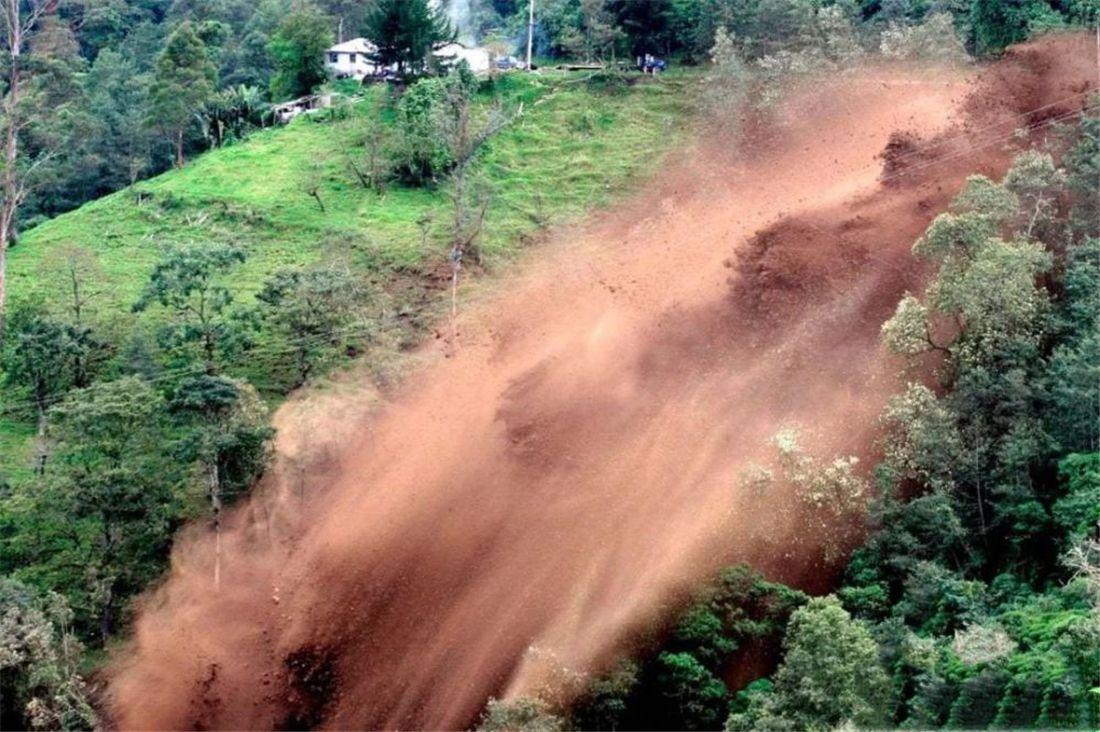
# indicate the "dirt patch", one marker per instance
pixel 526 509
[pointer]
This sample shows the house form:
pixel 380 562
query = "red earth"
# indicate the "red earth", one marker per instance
pixel 528 508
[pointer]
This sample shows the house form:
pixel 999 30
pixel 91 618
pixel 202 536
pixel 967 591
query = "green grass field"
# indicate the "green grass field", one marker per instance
pixel 575 148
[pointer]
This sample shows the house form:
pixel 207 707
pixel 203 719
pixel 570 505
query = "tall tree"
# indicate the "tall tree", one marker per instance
pixel 189 283
pixel 185 79
pixel 831 675
pixel 298 51
pixel 311 308
pixel 40 684
pixel 405 32
pixel 37 357
pixel 646 23
pixel 226 440
pixel 97 523
pixel 119 92
pixel 18 18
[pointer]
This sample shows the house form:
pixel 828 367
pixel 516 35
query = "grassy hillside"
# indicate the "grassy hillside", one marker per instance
pixel 576 147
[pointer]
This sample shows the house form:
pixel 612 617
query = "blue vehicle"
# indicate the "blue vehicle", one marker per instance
pixel 650 64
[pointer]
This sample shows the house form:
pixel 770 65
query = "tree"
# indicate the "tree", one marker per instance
pixel 1037 184
pixel 830 674
pixel 422 154
pixel 597 34
pixel 108 496
pixel 645 22
pixel 691 697
pixel 463 138
pixel 185 80
pixel 188 282
pixel 58 124
pixel 405 33
pixel 312 309
pixel 75 273
pixel 38 352
pixel 50 351
pixel 314 178
pixel 985 313
pixel 232 112
pixel 227 440
pixel 832 491
pixel 997 24
pixel 350 16
pixel 457 138
pixel 119 94
pixel 1073 374
pixel 370 156
pixel 933 39
pixel 526 714
pixel 40 686
pixel 298 52
pixel 17 20
pixel 604 704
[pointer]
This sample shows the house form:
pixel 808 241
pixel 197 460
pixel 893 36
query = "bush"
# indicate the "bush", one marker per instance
pixel 934 39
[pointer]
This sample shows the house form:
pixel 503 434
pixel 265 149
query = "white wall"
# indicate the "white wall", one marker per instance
pixel 344 66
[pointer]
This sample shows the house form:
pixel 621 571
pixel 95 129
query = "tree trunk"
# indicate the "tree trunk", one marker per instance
pixel 179 149
pixel 106 618
pixel 216 505
pixel 10 184
pixel 40 404
pixel 3 283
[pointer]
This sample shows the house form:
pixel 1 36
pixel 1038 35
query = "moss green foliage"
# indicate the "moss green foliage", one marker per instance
pixel 680 686
pixel 185 79
pixel 405 32
pixel 97 523
pixel 298 50
pixel 830 675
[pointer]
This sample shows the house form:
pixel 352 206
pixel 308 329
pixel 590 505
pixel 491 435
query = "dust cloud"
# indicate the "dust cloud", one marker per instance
pixel 547 495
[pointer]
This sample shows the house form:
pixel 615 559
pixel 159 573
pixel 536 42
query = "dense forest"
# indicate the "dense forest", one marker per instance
pixel 972 602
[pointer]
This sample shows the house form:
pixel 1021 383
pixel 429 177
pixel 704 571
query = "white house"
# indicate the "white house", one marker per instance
pixel 351 59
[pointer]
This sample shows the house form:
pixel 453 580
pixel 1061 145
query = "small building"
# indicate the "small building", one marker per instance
pixel 287 111
pixel 479 59
pixel 352 59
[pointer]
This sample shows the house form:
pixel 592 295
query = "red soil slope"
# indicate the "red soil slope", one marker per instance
pixel 525 509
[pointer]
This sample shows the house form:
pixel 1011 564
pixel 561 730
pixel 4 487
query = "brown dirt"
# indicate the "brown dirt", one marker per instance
pixel 532 505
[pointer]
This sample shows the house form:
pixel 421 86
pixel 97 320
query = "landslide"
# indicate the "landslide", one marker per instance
pixel 527 506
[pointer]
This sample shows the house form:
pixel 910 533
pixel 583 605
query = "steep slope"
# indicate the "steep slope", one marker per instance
pixel 254 195
pixel 526 508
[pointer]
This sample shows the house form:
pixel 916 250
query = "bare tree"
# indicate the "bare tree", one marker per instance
pixel 17 20
pixel 313 181
pixel 371 160
pixel 464 137
pixel 76 276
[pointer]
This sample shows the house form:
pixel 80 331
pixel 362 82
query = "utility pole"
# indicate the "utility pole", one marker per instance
pixel 530 33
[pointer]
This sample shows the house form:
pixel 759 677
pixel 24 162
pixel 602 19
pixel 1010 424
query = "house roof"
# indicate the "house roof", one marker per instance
pixel 355 45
